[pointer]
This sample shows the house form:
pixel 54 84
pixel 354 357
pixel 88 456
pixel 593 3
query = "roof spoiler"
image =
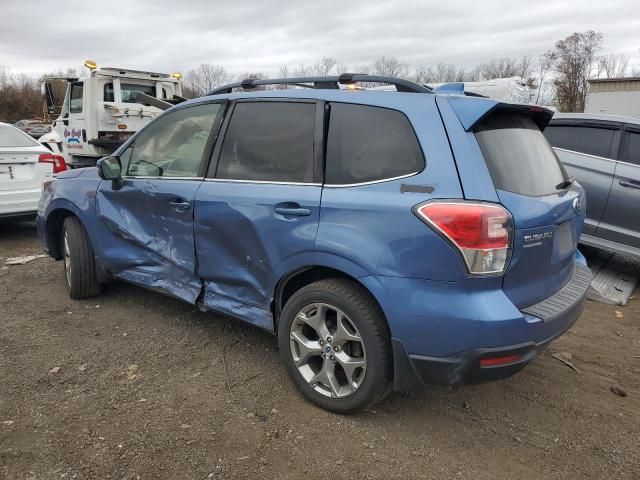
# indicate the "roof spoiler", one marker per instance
pixel 471 111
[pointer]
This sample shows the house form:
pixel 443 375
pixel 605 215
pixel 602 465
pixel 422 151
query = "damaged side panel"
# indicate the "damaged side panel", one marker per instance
pixel 146 234
pixel 247 236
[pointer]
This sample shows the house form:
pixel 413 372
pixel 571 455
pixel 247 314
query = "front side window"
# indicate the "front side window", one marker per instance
pixel 269 141
pixel 75 98
pixel 590 140
pixel 173 145
pixel 367 144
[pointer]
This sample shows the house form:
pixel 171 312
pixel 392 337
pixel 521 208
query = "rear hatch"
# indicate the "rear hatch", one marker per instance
pixel 547 209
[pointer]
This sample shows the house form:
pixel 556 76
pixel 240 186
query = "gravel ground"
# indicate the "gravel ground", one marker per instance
pixel 132 385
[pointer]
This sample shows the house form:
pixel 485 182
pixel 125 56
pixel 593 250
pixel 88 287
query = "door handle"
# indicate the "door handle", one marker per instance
pixel 180 203
pixel 296 211
pixel 629 184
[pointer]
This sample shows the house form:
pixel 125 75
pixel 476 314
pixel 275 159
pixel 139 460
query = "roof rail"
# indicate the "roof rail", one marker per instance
pixel 327 82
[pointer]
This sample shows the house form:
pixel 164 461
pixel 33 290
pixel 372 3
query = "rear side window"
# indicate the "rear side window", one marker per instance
pixel 12 137
pixel 366 144
pixel 590 140
pixel 519 157
pixel 269 141
pixel 632 154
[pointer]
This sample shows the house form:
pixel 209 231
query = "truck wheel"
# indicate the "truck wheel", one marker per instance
pixel 79 264
pixel 335 345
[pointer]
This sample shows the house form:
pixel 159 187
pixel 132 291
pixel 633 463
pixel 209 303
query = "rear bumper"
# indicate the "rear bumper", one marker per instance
pixel 19 202
pixel 465 367
pixel 446 342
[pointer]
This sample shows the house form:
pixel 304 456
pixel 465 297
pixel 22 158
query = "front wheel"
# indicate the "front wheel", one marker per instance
pixel 335 344
pixel 79 263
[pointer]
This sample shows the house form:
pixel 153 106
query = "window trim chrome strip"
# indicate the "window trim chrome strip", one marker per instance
pixel 233 180
pixel 596 157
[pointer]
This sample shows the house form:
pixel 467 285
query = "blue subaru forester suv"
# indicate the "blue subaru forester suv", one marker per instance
pixel 387 238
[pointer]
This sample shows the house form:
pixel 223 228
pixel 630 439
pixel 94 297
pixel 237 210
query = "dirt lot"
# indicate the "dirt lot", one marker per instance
pixel 141 393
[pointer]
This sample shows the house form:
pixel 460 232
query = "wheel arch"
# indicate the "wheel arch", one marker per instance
pixel 296 279
pixel 53 229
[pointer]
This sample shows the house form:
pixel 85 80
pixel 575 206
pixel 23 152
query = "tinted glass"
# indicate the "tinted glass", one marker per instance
pixel 519 157
pixel 269 141
pixel 590 140
pixel 369 143
pixel 633 148
pixel 75 105
pixel 12 137
pixel 128 91
pixel 172 145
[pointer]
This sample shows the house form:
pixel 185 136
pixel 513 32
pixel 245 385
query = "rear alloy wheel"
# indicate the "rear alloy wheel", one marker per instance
pixel 335 344
pixel 79 263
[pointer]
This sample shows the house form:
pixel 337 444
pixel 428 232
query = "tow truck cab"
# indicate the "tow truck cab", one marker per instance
pixel 101 110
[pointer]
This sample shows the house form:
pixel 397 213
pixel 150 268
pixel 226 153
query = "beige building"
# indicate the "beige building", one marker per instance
pixel 614 96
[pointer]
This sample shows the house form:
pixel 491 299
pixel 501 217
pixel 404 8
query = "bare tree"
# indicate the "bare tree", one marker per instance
pixel 325 66
pixel 205 78
pixel 545 64
pixel 573 60
pixel 613 65
pixel 390 67
pixel 498 68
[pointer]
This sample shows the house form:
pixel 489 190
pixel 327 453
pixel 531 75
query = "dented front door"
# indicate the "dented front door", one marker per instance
pixel 150 233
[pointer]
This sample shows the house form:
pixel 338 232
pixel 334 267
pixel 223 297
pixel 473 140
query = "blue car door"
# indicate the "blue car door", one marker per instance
pixel 146 219
pixel 257 212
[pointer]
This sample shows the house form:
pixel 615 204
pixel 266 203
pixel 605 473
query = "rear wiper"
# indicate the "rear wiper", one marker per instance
pixel 565 183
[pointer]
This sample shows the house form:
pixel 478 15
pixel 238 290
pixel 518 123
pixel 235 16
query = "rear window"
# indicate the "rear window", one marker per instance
pixel 519 157
pixel 12 137
pixel 590 140
pixel 367 144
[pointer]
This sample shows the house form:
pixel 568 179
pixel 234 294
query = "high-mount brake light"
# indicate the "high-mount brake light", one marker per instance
pixel 59 165
pixel 482 232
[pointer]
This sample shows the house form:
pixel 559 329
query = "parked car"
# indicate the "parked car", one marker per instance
pixel 603 153
pixel 24 166
pixel 35 128
pixel 387 238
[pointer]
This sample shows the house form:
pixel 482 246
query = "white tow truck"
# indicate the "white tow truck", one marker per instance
pixel 103 109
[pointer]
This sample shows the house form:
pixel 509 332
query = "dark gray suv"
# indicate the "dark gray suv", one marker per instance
pixel 603 153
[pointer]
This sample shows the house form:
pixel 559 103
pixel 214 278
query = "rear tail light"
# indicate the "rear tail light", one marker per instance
pixel 59 165
pixel 482 232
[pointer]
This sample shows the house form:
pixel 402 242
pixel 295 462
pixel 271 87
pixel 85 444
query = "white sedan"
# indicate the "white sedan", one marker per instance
pixel 24 165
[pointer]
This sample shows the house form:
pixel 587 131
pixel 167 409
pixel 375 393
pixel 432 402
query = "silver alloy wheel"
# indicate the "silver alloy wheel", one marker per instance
pixel 67 259
pixel 328 350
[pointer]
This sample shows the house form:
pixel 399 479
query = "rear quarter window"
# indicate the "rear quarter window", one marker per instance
pixel 366 144
pixel 519 157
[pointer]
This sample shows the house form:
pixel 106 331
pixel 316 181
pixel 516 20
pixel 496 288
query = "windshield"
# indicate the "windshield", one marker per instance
pixel 519 157
pixel 12 137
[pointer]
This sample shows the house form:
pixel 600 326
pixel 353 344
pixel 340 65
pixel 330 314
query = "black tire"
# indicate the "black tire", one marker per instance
pixel 365 314
pixel 79 263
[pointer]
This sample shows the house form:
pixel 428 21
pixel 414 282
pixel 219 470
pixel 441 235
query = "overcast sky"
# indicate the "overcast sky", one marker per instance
pixel 162 35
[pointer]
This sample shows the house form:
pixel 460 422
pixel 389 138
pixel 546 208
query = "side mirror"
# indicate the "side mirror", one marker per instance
pixel 47 93
pixel 109 168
